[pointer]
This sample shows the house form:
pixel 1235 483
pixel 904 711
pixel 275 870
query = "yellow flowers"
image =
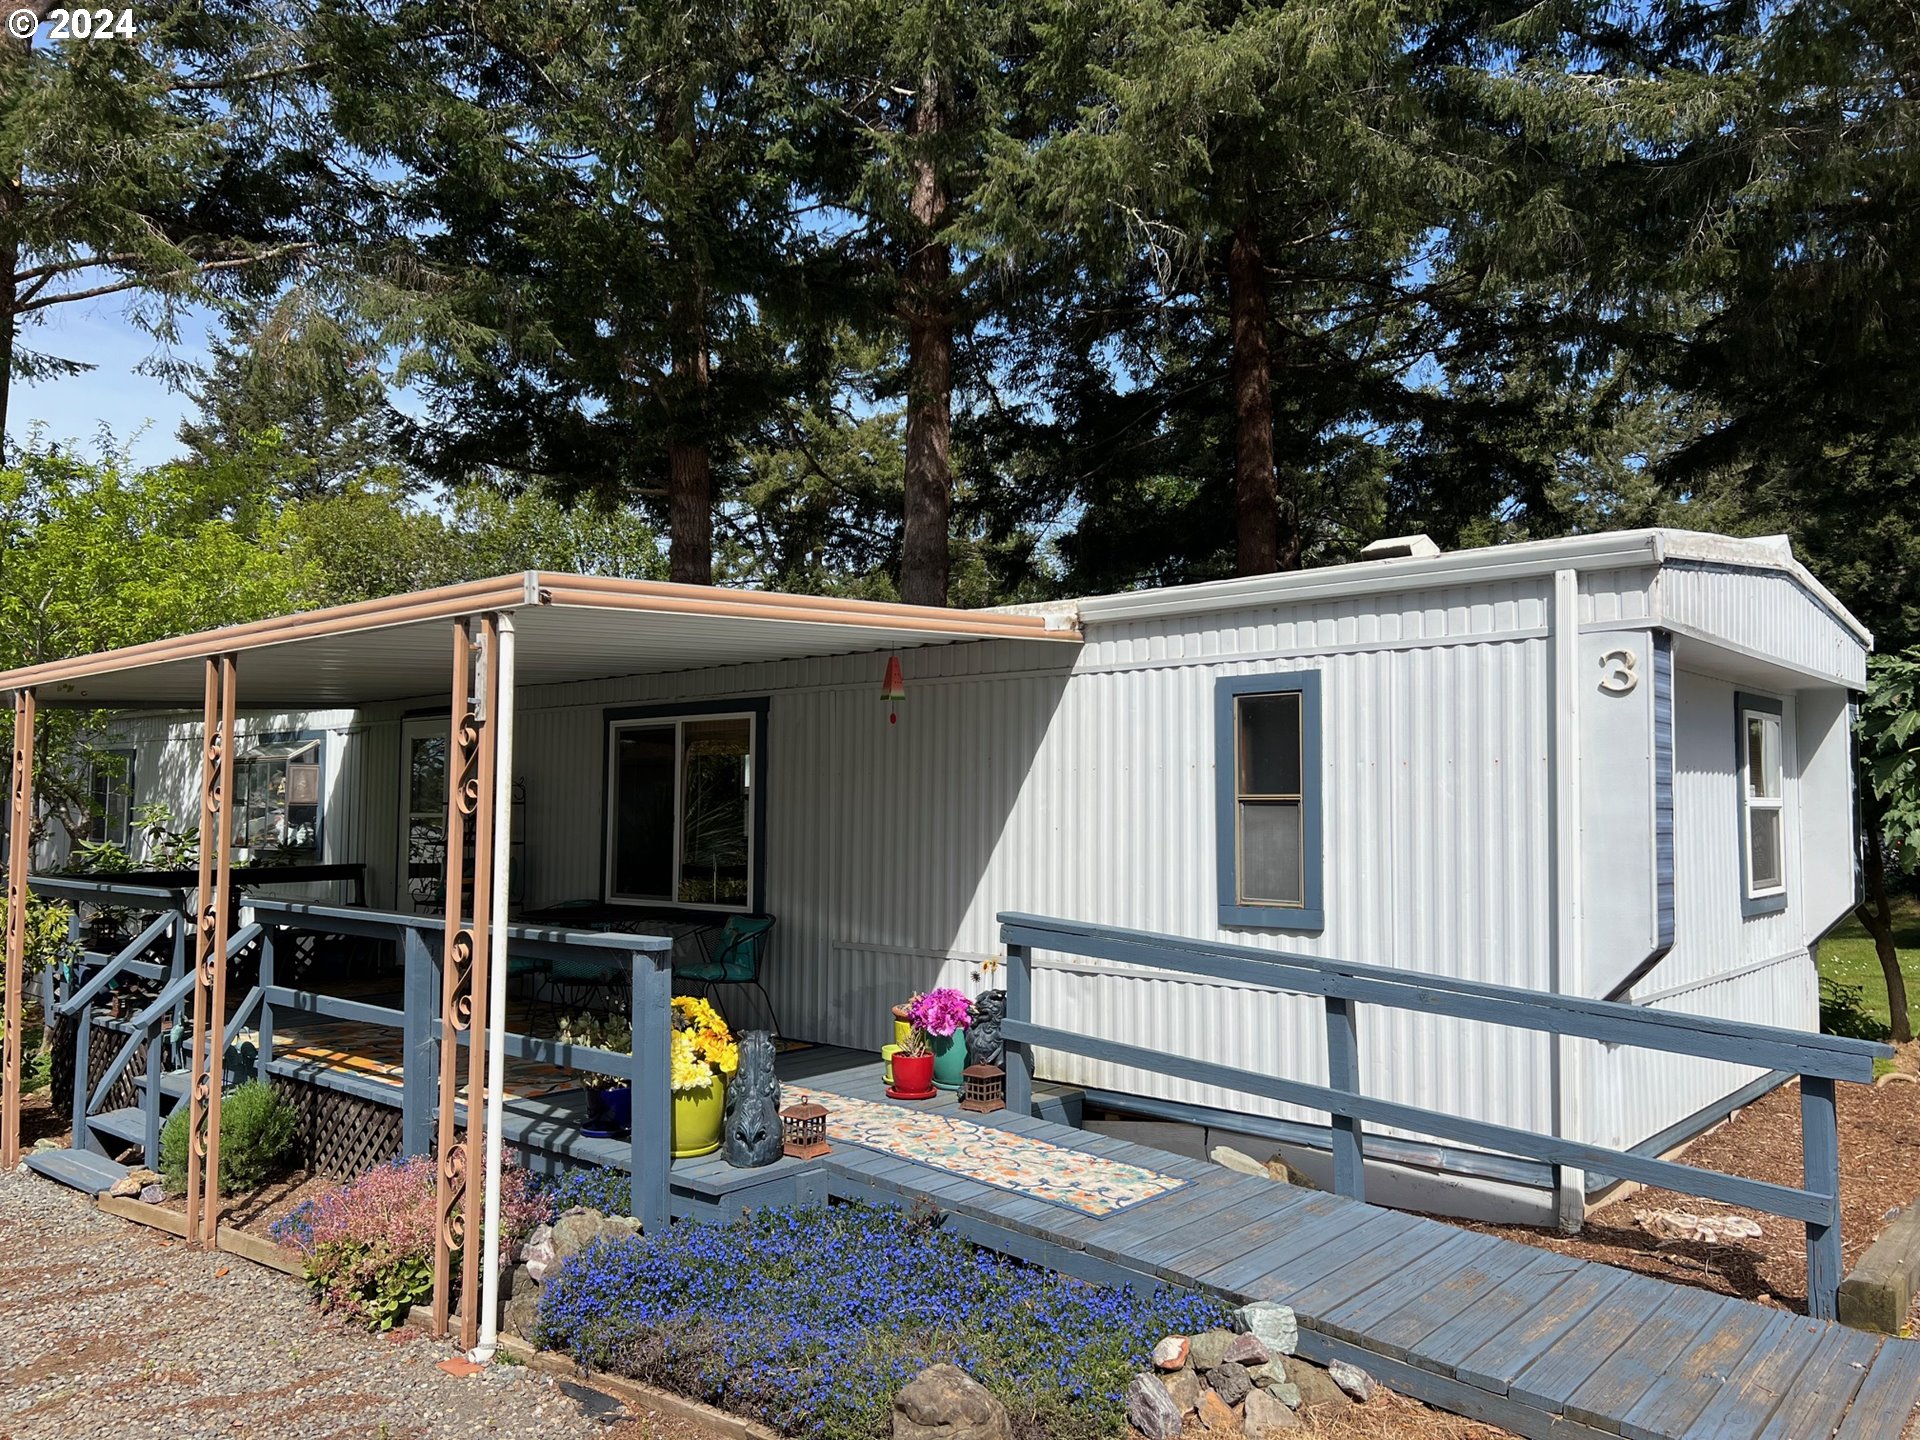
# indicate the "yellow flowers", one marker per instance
pixel 703 1046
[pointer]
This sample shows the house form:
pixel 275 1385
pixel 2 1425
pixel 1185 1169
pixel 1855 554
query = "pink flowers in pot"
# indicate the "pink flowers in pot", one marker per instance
pixel 940 1012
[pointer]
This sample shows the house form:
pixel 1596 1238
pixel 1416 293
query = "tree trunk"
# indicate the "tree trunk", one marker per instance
pixel 1877 915
pixel 1256 498
pixel 689 461
pixel 929 317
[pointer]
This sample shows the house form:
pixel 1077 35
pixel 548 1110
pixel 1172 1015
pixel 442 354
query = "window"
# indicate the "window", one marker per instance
pixel 1268 777
pixel 111 822
pixel 1761 758
pixel 684 809
pixel 277 800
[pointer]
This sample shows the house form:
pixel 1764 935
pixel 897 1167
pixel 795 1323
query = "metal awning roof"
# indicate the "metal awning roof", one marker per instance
pixel 571 627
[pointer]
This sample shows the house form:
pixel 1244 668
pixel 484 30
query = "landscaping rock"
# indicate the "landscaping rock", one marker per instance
pixel 144 1176
pixel 577 1229
pixel 1217 1415
pixel 537 1253
pixel 1230 1381
pixel 153 1194
pixel 1208 1350
pixel 943 1402
pixel 521 1314
pixel 1275 1324
pixel 1266 1416
pixel 1317 1389
pixel 1151 1410
pixel 1171 1353
pixel 125 1188
pixel 1239 1161
pixel 1185 1388
pixel 1249 1350
pixel 1352 1379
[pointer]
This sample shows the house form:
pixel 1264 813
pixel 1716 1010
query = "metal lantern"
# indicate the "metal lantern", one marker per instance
pixel 983 1088
pixel 803 1131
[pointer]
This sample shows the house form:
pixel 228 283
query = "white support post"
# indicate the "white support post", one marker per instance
pixel 502 721
pixel 1569 1184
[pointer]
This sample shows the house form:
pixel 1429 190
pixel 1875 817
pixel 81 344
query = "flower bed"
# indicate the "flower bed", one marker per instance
pixel 812 1320
pixel 368 1244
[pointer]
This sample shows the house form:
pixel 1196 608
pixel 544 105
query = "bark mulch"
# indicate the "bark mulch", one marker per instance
pixel 1879 1176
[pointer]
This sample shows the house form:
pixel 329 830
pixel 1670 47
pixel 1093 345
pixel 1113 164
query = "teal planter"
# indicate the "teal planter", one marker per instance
pixel 949 1059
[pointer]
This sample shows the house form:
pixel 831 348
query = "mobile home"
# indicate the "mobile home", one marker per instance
pixel 1613 766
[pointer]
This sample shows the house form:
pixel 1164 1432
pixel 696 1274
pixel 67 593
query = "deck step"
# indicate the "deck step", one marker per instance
pixel 78 1169
pixel 127 1125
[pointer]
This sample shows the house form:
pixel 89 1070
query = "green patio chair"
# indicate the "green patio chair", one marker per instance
pixel 736 959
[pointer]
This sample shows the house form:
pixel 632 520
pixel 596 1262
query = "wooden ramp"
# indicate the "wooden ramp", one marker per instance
pixel 1536 1342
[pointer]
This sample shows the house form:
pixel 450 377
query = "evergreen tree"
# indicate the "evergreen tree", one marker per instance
pixel 596 201
pixel 169 166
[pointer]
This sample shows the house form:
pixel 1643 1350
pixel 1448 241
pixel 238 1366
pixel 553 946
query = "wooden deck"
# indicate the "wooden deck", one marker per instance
pixel 1536 1342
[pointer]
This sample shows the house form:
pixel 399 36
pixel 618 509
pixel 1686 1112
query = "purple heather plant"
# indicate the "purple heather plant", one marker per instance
pixel 940 1012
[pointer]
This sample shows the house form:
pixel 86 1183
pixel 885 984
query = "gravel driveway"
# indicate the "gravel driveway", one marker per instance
pixel 108 1328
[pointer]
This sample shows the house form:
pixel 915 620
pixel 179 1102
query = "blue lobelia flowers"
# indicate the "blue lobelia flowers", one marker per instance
pixel 812 1320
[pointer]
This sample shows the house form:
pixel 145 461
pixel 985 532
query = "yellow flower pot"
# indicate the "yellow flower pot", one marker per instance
pixel 696 1119
pixel 887 1052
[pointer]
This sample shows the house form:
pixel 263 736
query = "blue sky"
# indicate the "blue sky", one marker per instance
pixel 142 411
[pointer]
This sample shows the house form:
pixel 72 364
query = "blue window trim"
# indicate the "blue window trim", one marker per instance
pixel 1765 705
pixel 1227 689
pixel 757 707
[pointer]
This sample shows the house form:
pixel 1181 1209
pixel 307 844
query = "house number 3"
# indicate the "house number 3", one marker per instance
pixel 1618 672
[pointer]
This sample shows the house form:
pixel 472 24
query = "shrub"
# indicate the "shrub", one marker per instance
pixel 258 1131
pixel 369 1242
pixel 1843 1011
pixel 812 1320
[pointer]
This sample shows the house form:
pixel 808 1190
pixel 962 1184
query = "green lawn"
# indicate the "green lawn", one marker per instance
pixel 1847 957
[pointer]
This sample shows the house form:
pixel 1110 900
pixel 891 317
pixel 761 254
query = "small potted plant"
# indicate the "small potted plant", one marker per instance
pixel 943 1015
pixel 705 1057
pixel 913 1067
pixel 609 1097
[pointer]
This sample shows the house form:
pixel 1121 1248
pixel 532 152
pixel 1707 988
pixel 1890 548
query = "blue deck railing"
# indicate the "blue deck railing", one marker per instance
pixel 1819 1061
pixel 158 953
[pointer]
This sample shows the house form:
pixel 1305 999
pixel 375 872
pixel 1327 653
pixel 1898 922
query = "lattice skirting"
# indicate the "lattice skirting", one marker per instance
pixel 342 1134
pixel 102 1047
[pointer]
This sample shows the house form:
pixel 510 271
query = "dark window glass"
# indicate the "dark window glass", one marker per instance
pixel 1270 745
pixel 643 812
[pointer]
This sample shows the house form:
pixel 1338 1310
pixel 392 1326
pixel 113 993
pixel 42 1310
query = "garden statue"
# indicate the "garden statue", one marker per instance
pixel 752 1133
pixel 984 1045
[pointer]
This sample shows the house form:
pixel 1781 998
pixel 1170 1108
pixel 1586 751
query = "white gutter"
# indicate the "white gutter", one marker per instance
pixel 1569 1185
pixel 497 991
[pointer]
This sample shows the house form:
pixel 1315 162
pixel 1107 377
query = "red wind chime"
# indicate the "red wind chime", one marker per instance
pixel 893 689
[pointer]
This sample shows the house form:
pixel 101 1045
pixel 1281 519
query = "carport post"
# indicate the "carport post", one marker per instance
pixel 206 1063
pixel 19 867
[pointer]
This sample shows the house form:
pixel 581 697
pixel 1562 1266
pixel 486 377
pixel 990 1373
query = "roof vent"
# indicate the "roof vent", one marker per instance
pixel 1401 547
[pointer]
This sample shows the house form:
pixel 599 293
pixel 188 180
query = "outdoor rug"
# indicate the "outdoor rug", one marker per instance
pixel 1091 1184
pixel 379 1054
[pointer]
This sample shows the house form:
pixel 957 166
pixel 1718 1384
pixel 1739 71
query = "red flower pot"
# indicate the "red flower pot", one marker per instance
pixel 912 1077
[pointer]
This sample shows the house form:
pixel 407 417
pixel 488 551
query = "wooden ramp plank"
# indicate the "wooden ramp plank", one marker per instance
pixel 1416 1300
pixel 1825 1388
pixel 1560 1363
pixel 1238 1275
pixel 1497 1307
pixel 1883 1408
pixel 1688 1384
pixel 1363 1272
pixel 1533 1331
pixel 1623 1379
pixel 1376 1229
pixel 1276 1218
pixel 1749 1399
